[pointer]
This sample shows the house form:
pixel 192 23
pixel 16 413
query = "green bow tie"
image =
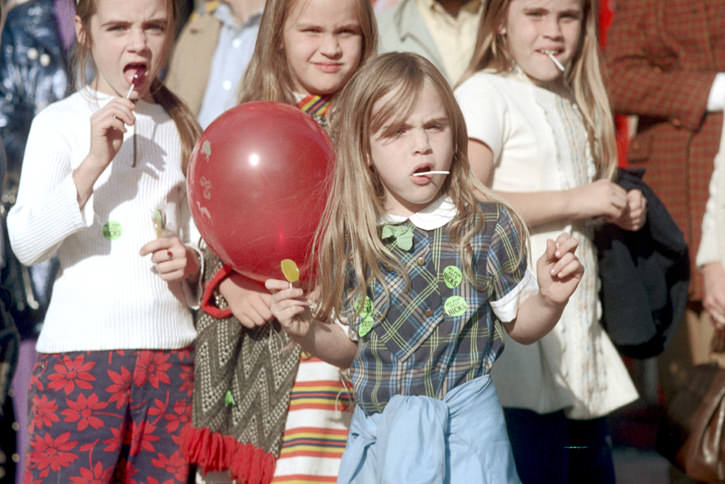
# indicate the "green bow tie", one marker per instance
pixel 402 235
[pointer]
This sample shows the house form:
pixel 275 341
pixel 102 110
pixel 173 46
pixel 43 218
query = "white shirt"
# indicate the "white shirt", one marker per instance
pixel 106 295
pixel 232 55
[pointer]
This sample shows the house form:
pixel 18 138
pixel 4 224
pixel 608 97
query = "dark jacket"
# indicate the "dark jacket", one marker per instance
pixel 644 275
pixel 33 73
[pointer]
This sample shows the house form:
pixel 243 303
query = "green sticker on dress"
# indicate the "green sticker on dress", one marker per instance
pixel 452 276
pixel 455 306
pixel 112 230
pixel 367 309
pixel 365 326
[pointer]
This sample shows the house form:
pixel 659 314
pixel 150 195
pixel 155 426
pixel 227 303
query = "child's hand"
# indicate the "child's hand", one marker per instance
pixel 250 305
pixel 559 270
pixel 634 214
pixel 601 198
pixel 172 259
pixel 714 293
pixel 290 307
pixel 107 127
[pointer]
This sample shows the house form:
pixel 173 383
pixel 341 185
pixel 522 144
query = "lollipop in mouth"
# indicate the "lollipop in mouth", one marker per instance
pixel 553 58
pixel 136 81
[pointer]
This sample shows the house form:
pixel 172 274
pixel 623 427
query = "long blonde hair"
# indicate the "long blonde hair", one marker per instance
pixel 347 238
pixel 185 121
pixel 584 77
pixel 268 77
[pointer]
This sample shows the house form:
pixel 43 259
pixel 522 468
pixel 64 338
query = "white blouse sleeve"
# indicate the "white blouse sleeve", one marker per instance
pixel 485 111
pixel 507 307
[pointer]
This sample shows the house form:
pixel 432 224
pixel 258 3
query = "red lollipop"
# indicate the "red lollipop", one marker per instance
pixel 257 186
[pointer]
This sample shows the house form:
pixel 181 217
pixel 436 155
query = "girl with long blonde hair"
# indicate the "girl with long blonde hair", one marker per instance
pixel 415 277
pixel 305 53
pixel 542 136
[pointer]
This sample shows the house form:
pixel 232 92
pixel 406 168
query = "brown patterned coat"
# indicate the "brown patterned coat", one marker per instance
pixel 663 56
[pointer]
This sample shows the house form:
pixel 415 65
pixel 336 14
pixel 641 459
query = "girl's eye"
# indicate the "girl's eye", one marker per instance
pixel 570 16
pixel 312 30
pixel 349 31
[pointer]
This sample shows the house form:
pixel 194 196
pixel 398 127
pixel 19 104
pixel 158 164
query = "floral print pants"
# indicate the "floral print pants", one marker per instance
pixel 109 416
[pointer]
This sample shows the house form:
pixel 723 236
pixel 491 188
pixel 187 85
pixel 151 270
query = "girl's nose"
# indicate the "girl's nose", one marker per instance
pixel 330 46
pixel 552 28
pixel 137 39
pixel 421 141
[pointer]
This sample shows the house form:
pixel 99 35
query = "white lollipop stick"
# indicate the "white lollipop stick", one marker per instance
pixel 432 172
pixel 555 61
pixel 135 80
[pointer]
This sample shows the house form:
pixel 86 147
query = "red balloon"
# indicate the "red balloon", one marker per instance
pixel 257 186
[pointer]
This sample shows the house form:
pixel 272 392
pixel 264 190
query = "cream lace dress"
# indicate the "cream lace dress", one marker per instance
pixel 539 143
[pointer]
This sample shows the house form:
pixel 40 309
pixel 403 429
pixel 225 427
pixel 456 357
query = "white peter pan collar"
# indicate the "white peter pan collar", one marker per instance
pixel 435 215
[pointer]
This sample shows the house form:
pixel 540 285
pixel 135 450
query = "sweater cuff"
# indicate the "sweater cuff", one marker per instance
pixel 716 99
pixel 207 299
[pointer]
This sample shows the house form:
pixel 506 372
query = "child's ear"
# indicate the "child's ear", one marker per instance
pixel 80 32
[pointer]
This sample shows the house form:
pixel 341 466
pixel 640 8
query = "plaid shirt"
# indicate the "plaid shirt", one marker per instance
pixel 441 332
pixel 663 56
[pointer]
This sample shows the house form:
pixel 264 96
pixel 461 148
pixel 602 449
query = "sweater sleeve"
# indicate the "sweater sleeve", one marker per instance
pixel 46 211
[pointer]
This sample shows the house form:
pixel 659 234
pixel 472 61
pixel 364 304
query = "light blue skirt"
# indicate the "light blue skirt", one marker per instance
pixel 461 439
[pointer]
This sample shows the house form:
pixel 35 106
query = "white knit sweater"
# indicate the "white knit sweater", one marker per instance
pixel 106 295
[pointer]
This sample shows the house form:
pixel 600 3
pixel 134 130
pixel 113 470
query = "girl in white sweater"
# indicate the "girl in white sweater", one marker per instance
pixel 103 187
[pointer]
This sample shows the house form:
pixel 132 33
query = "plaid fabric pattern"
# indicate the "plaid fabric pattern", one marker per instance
pixel 663 56
pixel 421 343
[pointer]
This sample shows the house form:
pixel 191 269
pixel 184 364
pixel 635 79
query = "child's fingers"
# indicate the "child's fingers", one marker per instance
pixel 276 284
pixel 252 317
pixel 550 253
pixel 287 310
pixel 288 293
pixel 567 266
pixel 261 306
pixel 565 243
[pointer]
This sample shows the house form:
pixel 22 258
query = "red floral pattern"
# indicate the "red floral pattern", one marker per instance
pixel 99 417
pixel 72 372
pixel 45 412
pixel 152 366
pixel 97 475
pixel 81 411
pixel 121 384
pixel 50 453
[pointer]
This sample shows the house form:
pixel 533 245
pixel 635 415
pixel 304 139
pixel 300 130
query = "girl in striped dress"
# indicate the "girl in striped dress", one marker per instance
pixel 263 410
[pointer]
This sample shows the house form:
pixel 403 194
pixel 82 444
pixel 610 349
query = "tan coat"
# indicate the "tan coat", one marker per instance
pixel 190 64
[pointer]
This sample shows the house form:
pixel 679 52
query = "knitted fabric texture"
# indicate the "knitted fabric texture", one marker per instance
pixel 242 378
